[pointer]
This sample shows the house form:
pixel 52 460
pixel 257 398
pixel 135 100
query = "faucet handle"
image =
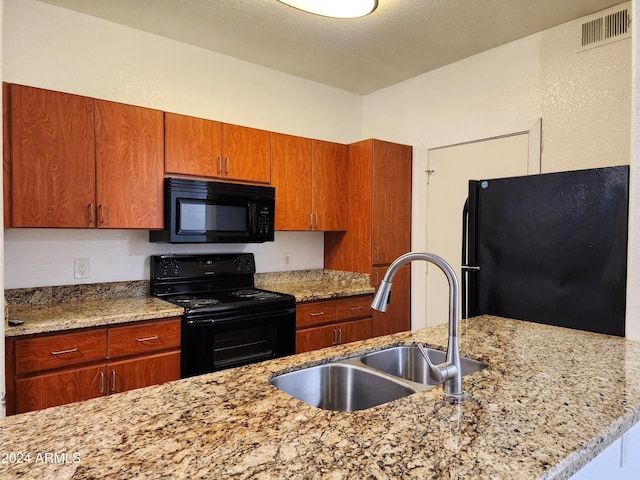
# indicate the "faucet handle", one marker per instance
pixel 438 373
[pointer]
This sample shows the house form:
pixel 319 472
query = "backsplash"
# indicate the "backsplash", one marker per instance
pixel 70 293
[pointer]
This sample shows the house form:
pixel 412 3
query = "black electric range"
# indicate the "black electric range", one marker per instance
pixel 227 322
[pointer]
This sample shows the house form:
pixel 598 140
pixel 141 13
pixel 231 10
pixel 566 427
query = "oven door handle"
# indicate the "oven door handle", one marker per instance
pixel 234 317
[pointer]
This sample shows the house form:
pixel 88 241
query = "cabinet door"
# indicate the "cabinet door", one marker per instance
pixel 397 318
pixel 67 386
pixel 391 197
pixel 246 153
pixel 315 338
pixel 354 331
pixel 144 371
pixel 292 180
pixel 130 166
pixel 53 163
pixel 193 146
pixel 6 154
pixel 329 185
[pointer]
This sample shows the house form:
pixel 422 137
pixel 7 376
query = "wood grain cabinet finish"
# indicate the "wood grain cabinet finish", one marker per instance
pixel 130 166
pixel 77 162
pixel 379 220
pixel 325 323
pixel 142 372
pixel 54 369
pixel 310 177
pixel 207 148
pixel 52 158
pixel 60 350
pixel 397 317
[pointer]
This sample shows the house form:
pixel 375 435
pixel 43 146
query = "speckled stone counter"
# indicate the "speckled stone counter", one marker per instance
pixel 51 309
pixel 308 285
pixel 542 409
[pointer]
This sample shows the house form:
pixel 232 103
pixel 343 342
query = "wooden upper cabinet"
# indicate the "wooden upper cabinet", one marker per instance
pixel 246 154
pixel 206 148
pixel 310 177
pixel 291 159
pixel 329 185
pixel 52 158
pixel 6 153
pixel 130 166
pixel 193 146
pixel 391 201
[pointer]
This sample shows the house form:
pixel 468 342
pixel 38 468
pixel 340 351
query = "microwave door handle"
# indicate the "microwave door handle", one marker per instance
pixel 252 217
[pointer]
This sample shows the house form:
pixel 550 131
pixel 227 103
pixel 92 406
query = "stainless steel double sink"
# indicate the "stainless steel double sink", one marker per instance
pixel 368 380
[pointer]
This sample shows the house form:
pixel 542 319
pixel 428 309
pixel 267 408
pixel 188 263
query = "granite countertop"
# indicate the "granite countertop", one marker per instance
pixel 87 313
pixel 307 285
pixel 542 409
pixel 58 308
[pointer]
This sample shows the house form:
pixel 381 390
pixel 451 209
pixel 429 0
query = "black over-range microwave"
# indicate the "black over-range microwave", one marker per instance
pixel 197 211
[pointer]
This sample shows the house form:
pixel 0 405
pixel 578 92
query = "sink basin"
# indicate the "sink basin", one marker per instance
pixel 341 387
pixel 407 362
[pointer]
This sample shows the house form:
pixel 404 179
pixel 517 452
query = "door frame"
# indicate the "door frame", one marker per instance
pixel 419 269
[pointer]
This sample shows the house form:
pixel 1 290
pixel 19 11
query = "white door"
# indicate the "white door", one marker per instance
pixel 449 170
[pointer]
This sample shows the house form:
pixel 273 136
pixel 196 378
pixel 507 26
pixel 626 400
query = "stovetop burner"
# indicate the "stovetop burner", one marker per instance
pixel 257 294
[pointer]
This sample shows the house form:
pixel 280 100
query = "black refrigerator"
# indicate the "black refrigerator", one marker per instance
pixel 548 248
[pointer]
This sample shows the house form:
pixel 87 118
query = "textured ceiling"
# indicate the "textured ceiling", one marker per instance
pixel 401 39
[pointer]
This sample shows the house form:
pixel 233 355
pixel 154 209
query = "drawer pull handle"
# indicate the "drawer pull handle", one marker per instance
pixel 113 381
pixel 62 352
pixel 359 307
pixel 317 314
pixel 147 339
pixel 102 383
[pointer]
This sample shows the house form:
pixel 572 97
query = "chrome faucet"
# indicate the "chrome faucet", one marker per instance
pixel 449 372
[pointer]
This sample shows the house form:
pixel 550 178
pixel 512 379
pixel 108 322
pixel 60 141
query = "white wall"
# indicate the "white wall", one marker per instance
pixel 583 100
pixel 50 47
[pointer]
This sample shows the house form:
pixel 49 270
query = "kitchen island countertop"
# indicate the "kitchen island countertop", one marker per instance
pixel 542 409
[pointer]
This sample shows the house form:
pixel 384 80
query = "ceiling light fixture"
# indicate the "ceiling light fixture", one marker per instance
pixel 335 8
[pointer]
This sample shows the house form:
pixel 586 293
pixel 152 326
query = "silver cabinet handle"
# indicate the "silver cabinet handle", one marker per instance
pixel 147 339
pixel 62 352
pixel 91 214
pixel 226 165
pixel 335 337
pixel 339 336
pixel 113 381
pixel 316 228
pixel 310 221
pixel 316 314
pixel 102 383
pixel 359 307
pixel 219 165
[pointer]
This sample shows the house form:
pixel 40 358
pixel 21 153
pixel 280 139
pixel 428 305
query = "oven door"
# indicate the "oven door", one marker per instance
pixel 237 339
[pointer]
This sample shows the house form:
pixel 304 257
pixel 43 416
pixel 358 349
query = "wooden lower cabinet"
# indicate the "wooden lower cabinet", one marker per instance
pixel 67 386
pixel 47 370
pixel 326 323
pixel 142 372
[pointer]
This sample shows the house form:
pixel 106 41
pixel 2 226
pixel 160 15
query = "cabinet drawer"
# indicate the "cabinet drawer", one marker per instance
pixel 315 313
pixel 143 338
pixel 54 351
pixel 349 308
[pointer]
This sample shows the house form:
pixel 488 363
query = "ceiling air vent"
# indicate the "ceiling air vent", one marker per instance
pixel 605 27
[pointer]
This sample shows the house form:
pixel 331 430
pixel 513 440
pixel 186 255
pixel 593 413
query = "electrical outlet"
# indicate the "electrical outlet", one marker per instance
pixel 288 260
pixel 80 268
